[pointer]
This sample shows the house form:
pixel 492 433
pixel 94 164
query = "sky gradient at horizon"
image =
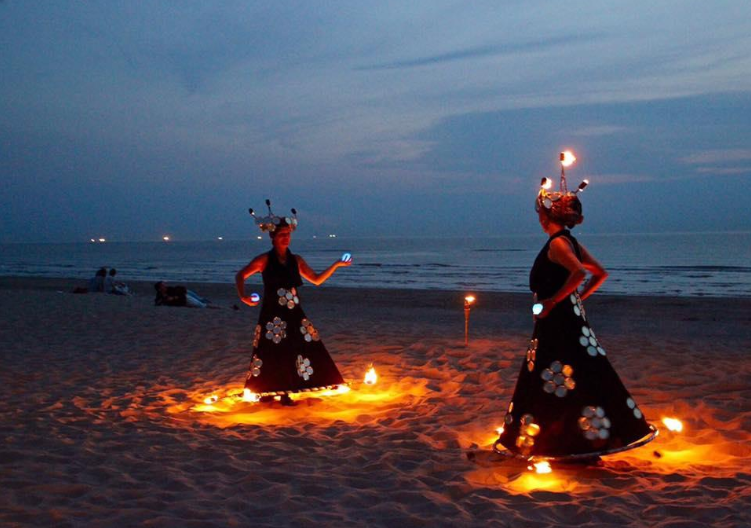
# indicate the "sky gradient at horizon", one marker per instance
pixel 134 120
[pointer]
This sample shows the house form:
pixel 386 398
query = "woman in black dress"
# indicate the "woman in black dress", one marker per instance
pixel 288 355
pixel 568 401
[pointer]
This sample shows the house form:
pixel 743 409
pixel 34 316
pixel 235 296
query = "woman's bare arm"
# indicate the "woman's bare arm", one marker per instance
pixel 562 252
pixel 319 278
pixel 257 265
pixel 599 274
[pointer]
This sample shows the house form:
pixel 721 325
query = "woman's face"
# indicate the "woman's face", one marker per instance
pixel 280 238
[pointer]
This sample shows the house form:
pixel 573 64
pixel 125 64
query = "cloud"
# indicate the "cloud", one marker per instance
pixel 726 171
pixel 482 51
pixel 617 178
pixel 718 156
pixel 597 130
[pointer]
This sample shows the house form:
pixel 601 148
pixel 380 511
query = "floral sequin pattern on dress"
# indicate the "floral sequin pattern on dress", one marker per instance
pixel 509 418
pixel 309 332
pixel 588 340
pixel 304 370
pixel 576 300
pixel 531 354
pixel 594 424
pixel 257 336
pixel 558 379
pixel 528 430
pixel 255 366
pixel 276 330
pixel 634 408
pixel 288 298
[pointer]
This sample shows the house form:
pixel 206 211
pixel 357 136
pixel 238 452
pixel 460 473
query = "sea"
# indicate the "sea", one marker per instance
pixel 675 264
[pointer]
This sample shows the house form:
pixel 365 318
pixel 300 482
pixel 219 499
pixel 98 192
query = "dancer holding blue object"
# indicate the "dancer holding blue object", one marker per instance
pixel 288 355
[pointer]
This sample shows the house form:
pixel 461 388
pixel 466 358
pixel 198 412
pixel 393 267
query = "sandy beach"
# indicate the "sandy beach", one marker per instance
pixel 103 420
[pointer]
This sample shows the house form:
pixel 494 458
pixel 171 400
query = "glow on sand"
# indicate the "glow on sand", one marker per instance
pixel 346 403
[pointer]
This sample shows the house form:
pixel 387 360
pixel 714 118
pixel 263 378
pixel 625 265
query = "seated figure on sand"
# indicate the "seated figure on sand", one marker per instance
pixel 96 283
pixel 179 296
pixel 288 355
pixel 568 401
pixel 115 287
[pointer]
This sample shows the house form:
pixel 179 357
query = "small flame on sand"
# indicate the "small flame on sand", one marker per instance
pixel 673 424
pixel 469 299
pixel 541 467
pixel 371 377
pixel 250 396
pixel 211 399
pixel 500 430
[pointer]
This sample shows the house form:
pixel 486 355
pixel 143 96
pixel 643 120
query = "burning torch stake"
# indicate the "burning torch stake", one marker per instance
pixel 468 300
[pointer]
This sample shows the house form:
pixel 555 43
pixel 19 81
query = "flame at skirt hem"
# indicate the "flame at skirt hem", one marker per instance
pixel 503 451
pixel 298 391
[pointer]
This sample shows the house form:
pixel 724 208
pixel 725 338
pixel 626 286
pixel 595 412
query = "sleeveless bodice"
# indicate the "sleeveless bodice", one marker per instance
pixel 546 276
pixel 277 275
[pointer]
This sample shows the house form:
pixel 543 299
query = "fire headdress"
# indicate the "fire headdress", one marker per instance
pixel 562 206
pixel 271 222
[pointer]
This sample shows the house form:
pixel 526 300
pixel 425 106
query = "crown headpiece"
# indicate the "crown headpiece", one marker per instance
pixel 547 198
pixel 271 222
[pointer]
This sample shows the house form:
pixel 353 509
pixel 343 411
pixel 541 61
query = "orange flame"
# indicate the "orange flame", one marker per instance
pixel 211 399
pixel 500 430
pixel 673 424
pixel 541 467
pixel 250 396
pixel 371 377
pixel 469 299
pixel 567 158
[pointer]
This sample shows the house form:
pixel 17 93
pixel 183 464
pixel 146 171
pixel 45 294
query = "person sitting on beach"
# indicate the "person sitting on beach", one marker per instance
pixel 569 402
pixel 113 287
pixel 179 296
pixel 96 284
pixel 288 355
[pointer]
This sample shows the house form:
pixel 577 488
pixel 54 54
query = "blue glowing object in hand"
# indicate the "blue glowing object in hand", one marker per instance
pixel 255 297
pixel 346 257
pixel 537 308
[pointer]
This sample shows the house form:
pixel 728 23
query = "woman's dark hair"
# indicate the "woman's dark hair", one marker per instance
pixel 567 211
pixel 113 272
pixel 102 272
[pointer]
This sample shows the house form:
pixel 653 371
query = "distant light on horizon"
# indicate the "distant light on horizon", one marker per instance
pixel 102 240
pixel 220 238
pixel 166 238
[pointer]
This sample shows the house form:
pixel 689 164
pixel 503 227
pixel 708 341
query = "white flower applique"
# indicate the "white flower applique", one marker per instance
pixel 304 370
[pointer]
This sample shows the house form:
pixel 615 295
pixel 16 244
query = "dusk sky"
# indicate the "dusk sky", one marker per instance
pixel 131 120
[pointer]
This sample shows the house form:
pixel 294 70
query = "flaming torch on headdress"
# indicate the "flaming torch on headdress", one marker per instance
pixel 562 205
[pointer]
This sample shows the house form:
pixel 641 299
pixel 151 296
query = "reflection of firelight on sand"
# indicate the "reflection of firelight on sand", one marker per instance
pixel 349 404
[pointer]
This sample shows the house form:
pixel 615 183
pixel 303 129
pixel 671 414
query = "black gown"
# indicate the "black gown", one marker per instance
pixel 568 400
pixel 288 355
